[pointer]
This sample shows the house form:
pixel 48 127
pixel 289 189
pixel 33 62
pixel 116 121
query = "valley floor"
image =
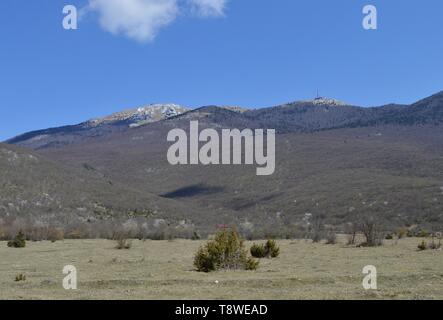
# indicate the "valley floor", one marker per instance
pixel 164 270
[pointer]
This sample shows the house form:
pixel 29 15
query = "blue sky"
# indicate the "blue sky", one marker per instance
pixel 251 53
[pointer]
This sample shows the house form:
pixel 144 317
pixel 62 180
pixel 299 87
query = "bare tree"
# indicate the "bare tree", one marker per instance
pixel 317 231
pixel 371 229
pixel 351 230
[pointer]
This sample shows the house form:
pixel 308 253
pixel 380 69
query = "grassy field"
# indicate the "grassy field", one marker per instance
pixel 164 270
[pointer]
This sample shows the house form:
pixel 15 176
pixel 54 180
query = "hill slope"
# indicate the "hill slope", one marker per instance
pixel 332 160
pixel 42 191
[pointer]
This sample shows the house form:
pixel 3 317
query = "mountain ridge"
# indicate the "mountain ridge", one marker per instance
pixel 299 116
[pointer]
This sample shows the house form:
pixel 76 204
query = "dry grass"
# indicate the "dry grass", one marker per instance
pixel 164 270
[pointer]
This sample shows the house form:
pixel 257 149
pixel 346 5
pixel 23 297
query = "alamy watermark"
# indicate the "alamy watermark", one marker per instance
pixel 70 280
pixel 225 150
pixel 370 20
pixel 370 278
pixel 70 21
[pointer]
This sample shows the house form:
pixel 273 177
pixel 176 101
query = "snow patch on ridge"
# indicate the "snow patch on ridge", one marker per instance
pixel 142 115
pixel 320 101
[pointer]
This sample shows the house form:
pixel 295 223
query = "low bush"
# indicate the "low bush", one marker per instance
pixel 55 234
pixel 389 236
pixel 272 249
pixel 422 246
pixel 331 238
pixel 20 277
pixel 423 234
pixel 195 236
pixel 317 236
pixel 225 252
pixel 433 245
pixel 123 243
pixel 268 250
pixel 19 241
pixel 258 251
pixel 402 232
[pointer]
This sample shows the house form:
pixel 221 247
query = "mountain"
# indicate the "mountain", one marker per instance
pixel 117 122
pixel 308 116
pixel 325 114
pixel 333 160
pixel 426 111
pixel 296 117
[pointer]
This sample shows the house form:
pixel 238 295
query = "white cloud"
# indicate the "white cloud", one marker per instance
pixel 209 7
pixel 141 20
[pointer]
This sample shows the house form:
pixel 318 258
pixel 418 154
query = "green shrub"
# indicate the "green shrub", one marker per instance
pixel 225 252
pixel 18 242
pixel 422 246
pixel 20 277
pixel 258 251
pixel 268 250
pixel 389 236
pixel 251 264
pixel 272 249
pixel 423 234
